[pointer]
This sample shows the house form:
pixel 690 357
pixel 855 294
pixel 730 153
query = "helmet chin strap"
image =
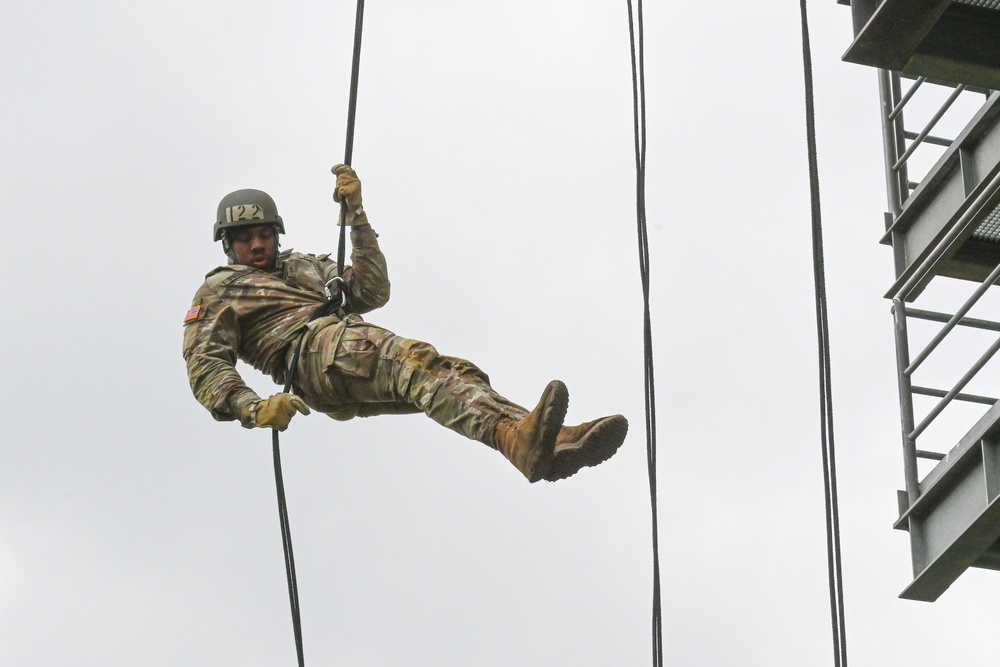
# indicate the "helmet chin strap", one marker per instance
pixel 227 248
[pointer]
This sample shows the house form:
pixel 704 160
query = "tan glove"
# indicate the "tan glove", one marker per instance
pixel 348 187
pixel 275 412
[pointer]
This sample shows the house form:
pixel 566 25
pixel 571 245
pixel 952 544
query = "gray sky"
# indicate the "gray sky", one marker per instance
pixel 494 142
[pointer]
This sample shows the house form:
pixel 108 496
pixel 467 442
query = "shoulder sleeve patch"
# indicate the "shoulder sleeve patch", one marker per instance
pixel 193 314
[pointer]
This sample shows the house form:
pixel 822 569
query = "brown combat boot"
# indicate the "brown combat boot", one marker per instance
pixel 586 445
pixel 529 443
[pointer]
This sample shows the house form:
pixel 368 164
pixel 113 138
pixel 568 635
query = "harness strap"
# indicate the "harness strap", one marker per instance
pixel 332 307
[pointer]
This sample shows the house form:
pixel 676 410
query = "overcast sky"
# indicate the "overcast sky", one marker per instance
pixel 494 143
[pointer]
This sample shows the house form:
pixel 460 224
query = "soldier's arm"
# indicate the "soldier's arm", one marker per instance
pixel 211 341
pixel 367 277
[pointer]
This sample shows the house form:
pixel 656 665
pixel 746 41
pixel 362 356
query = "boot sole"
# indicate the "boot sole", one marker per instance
pixel 556 401
pixel 596 446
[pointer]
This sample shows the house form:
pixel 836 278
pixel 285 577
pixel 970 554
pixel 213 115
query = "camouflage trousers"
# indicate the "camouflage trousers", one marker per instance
pixel 349 368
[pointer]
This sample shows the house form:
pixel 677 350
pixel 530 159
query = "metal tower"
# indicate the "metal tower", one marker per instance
pixel 939 63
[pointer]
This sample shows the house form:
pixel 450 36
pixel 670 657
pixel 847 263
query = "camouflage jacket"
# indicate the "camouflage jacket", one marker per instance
pixel 255 316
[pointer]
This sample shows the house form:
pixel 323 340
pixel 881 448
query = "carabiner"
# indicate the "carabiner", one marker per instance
pixel 341 291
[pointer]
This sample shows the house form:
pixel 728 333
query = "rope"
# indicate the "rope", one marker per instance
pixel 286 531
pixel 639 116
pixel 286 542
pixel 352 106
pixel 825 391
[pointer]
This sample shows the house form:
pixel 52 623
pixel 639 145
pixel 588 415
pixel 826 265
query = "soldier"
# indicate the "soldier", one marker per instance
pixel 265 304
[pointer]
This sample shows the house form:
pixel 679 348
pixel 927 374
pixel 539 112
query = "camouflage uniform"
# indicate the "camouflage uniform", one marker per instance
pixel 347 367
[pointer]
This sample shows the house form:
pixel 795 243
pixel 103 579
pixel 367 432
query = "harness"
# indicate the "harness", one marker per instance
pixel 335 302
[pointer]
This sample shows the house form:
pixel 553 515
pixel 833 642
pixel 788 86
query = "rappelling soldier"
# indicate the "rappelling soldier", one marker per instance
pixel 266 305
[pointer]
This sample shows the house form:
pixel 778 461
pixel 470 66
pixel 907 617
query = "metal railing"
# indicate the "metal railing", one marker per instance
pixel 901 146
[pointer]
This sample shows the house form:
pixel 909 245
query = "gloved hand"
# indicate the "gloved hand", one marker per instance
pixel 348 186
pixel 277 411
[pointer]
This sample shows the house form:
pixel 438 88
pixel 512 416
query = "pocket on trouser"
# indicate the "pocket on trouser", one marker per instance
pixel 332 358
pixel 356 353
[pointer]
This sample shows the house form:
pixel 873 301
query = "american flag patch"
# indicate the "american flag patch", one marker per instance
pixel 193 314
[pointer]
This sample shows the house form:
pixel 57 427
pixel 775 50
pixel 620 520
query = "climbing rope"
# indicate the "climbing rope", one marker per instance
pixel 639 100
pixel 286 531
pixel 639 116
pixel 286 541
pixel 825 390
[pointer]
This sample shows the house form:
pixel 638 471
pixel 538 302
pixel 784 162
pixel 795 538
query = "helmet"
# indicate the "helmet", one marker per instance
pixel 245 208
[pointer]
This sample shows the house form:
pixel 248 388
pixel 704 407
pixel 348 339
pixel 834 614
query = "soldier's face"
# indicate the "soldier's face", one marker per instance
pixel 255 246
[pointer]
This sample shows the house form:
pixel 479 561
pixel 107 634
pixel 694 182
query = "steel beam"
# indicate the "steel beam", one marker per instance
pixel 954 524
pixel 932 231
pixel 940 39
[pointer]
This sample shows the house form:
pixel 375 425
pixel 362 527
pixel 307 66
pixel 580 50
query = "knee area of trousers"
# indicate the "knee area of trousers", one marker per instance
pixel 419 353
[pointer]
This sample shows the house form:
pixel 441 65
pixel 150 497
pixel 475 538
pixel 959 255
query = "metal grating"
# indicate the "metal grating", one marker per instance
pixel 989 229
pixel 987 4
